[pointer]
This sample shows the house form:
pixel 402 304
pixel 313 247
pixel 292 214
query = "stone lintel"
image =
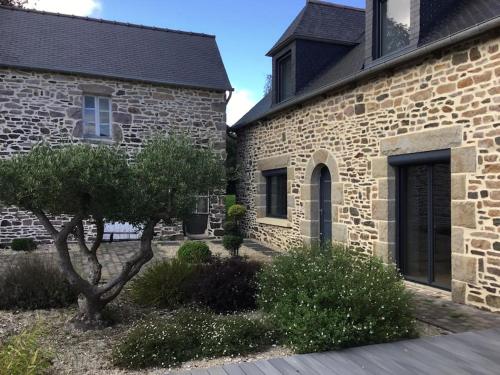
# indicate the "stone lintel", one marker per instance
pixel 429 140
pixel 274 162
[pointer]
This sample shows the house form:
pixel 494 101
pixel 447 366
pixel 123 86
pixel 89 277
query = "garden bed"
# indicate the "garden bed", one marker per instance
pixel 89 353
pixel 198 311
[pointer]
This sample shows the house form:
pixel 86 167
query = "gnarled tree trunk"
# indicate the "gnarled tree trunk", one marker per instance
pixel 93 298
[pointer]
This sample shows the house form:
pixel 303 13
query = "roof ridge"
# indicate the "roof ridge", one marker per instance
pixel 335 5
pixel 100 20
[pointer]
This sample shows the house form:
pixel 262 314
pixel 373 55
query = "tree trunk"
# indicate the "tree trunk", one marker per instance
pixel 90 316
pixel 93 298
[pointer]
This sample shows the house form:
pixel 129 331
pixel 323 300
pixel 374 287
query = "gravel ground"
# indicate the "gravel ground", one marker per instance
pixel 89 353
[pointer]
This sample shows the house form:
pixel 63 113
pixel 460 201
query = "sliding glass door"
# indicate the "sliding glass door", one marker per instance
pixel 424 217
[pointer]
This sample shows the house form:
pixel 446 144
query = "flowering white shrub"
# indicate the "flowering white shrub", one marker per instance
pixel 333 298
pixel 191 334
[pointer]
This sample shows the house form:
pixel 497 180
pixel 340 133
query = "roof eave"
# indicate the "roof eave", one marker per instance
pixel 118 77
pixel 276 48
pixel 377 68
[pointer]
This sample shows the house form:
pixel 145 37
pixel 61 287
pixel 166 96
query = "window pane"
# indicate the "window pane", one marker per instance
pixel 104 104
pixel 285 78
pixel 104 130
pixel 104 117
pixel 202 205
pixel 277 196
pixel 394 25
pixel 89 129
pixel 415 219
pixel 441 202
pixel 89 102
pixel 89 116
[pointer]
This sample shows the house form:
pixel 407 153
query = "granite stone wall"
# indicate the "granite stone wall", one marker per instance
pixel 448 100
pixel 39 106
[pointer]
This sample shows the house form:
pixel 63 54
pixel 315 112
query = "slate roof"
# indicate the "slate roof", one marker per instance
pixel 324 21
pixel 461 15
pixel 54 42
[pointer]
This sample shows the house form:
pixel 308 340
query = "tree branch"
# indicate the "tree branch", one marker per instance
pixel 45 222
pixel 132 266
pixel 99 223
pixel 95 268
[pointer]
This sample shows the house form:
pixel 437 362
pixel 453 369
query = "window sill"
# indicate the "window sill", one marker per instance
pixel 95 140
pixel 284 223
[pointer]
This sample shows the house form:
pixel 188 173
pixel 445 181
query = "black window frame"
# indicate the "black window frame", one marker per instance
pixel 279 77
pixel 377 43
pixel 269 175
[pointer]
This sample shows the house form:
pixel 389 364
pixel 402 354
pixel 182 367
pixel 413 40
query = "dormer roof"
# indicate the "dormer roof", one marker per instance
pixel 325 22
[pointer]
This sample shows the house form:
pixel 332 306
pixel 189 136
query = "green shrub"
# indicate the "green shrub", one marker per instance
pixel 328 299
pixel 188 335
pixel 235 335
pixel 194 252
pixel 225 285
pixel 23 355
pixel 232 243
pixel 230 227
pixel 229 200
pixel 236 212
pixel 161 285
pixel 31 283
pixel 23 244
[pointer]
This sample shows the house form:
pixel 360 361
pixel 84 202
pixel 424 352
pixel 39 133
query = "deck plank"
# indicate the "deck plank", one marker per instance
pixel 458 354
pixel 250 369
pixel 217 371
pixel 233 369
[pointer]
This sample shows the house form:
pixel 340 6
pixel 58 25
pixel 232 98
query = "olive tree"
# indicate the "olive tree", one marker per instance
pixel 92 184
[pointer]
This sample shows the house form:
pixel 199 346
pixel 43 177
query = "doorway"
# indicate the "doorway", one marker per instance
pixel 423 203
pixel 325 206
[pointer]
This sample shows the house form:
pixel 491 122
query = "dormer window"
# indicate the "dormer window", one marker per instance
pixel 393 26
pixel 284 79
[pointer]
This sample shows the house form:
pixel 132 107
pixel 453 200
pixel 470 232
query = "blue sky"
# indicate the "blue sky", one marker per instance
pixel 245 30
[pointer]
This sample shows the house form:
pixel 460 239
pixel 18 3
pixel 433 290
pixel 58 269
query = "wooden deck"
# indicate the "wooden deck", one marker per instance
pixel 464 353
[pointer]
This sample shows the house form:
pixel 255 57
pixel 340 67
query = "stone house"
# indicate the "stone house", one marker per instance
pixel 382 132
pixel 66 79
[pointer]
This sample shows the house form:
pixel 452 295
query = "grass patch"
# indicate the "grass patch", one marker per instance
pixel 23 355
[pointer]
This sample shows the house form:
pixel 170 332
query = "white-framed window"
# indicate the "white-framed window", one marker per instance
pixel 97 116
pixel 202 204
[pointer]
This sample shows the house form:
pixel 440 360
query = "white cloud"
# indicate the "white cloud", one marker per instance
pixel 241 102
pixel 73 7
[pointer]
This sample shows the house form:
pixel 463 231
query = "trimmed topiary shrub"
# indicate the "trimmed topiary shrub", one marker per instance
pixel 236 212
pixel 188 335
pixel 23 244
pixel 32 283
pixel 194 252
pixel 23 355
pixel 232 235
pixel 225 285
pixel 232 243
pixel 332 298
pixel 162 284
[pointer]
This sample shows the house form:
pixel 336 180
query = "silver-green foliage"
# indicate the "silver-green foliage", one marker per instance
pixel 100 183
